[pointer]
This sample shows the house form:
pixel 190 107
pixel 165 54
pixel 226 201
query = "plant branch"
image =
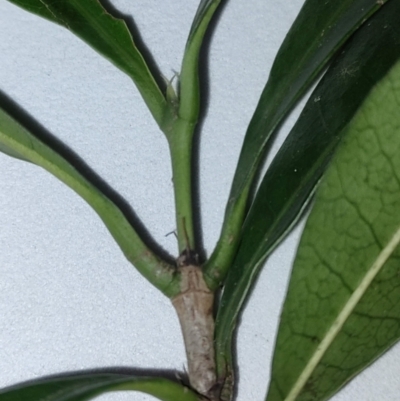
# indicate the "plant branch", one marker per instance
pixel 189 93
pixel 217 266
pixel 17 141
pixel 194 307
pixel 180 144
pixel 180 123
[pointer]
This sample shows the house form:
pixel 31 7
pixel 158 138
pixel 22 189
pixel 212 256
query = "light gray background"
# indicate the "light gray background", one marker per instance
pixel 68 298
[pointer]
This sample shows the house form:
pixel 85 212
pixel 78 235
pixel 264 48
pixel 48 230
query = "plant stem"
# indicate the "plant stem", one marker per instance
pixel 217 266
pixel 180 143
pixel 181 122
pixel 194 307
pixel 26 145
pixel 189 77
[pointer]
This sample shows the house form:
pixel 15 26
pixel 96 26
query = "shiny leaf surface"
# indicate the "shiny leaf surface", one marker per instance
pixel 296 170
pixel 86 386
pixel 318 32
pixel 320 29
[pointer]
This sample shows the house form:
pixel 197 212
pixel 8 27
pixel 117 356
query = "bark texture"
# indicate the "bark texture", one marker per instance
pixel 194 306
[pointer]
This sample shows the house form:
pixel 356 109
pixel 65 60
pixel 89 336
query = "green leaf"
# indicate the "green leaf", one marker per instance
pixel 320 29
pixel 293 175
pixel 10 152
pixel 343 304
pixel 109 36
pixel 85 386
pixel 44 151
pixel 318 32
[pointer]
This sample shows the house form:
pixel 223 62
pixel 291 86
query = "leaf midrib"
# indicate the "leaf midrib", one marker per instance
pixel 344 314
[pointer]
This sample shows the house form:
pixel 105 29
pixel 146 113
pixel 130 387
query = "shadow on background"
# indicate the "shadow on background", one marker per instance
pixel 79 164
pixel 37 130
pixel 204 102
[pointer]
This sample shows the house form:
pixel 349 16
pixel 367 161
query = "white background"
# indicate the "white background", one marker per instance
pixel 68 298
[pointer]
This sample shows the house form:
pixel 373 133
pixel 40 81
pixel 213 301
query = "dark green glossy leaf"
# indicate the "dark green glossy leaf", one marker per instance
pixel 296 170
pixel 110 36
pixel 318 32
pixel 86 386
pixel 16 140
pixel 343 304
pixel 320 29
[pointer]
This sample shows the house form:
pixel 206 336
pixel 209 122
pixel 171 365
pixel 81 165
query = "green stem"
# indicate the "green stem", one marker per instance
pixel 217 266
pixel 180 123
pixel 189 77
pixel 180 143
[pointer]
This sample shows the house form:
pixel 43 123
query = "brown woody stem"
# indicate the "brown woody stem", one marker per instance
pixel 194 306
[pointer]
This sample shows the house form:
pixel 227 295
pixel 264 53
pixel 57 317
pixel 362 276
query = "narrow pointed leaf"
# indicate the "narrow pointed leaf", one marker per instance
pixel 320 29
pixel 47 153
pixel 86 386
pixel 343 304
pixel 293 175
pixel 110 36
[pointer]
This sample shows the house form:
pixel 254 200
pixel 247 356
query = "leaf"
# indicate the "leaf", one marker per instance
pixel 318 32
pixel 85 386
pixel 44 151
pixel 320 29
pixel 294 173
pixel 10 152
pixel 343 304
pixel 109 36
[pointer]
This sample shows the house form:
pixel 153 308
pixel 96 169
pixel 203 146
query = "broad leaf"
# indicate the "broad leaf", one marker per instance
pixel 17 141
pixel 86 386
pixel 320 29
pixel 343 304
pixel 296 170
pixel 110 36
